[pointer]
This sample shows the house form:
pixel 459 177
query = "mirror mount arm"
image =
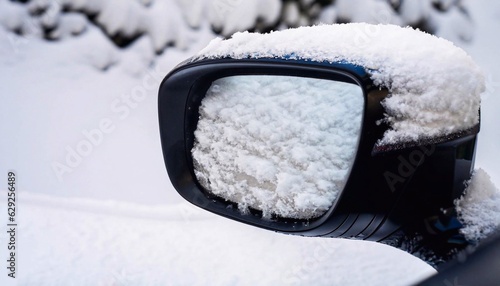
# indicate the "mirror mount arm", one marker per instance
pixel 435 240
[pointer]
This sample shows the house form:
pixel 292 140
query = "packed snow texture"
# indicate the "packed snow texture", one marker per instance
pixel 434 86
pixel 479 208
pixel 282 145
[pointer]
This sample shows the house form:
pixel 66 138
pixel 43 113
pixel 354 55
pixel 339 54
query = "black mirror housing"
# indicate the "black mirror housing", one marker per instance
pixel 392 191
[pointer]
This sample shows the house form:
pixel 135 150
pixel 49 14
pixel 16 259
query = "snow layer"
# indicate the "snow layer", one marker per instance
pixel 455 24
pixel 229 16
pixel 367 11
pixel 160 20
pixel 479 208
pixel 164 21
pixel 283 145
pixel 435 86
pixel 13 16
pixel 93 242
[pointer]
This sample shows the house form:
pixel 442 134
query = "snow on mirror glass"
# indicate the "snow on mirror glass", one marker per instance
pixel 279 144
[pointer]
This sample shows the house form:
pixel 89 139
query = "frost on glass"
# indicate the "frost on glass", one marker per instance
pixel 282 145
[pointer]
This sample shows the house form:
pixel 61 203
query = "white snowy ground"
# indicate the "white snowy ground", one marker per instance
pixel 114 219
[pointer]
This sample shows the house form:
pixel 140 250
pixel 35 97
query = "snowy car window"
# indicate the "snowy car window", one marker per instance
pixel 279 144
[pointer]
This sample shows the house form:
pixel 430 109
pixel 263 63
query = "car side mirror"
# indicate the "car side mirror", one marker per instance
pixel 300 145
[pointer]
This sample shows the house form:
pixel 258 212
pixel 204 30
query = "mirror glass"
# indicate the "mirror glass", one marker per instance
pixel 283 145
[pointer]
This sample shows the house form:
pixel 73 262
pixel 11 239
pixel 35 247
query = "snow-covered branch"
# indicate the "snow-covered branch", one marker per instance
pixel 168 22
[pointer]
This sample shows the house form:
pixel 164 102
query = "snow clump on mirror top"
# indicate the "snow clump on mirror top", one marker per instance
pixel 279 144
pixel 434 86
